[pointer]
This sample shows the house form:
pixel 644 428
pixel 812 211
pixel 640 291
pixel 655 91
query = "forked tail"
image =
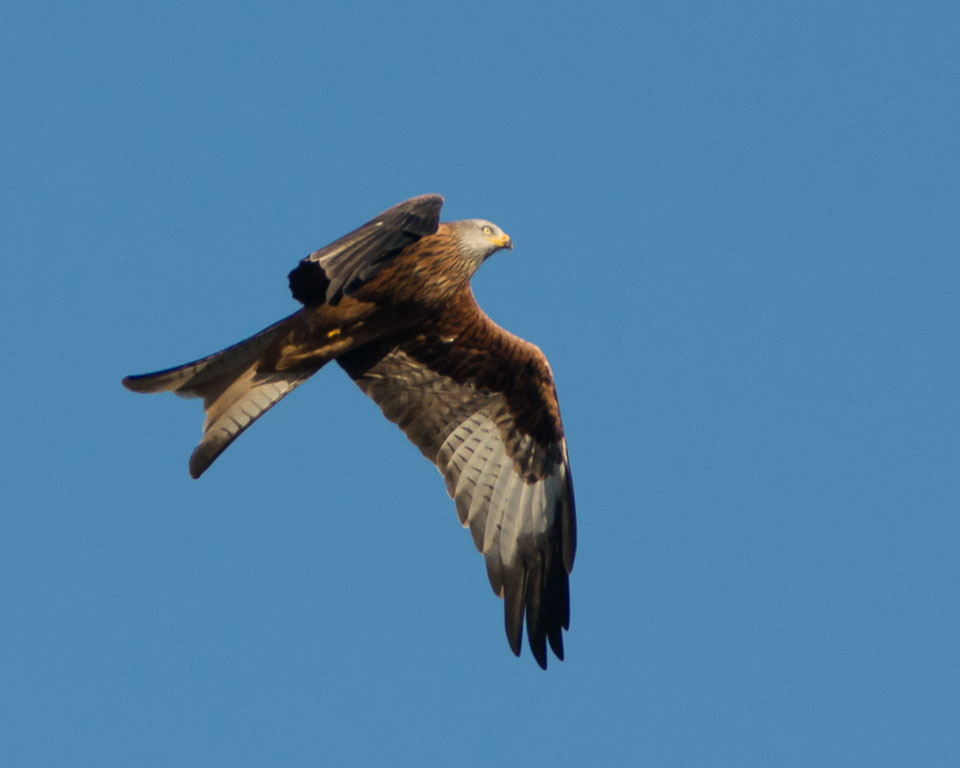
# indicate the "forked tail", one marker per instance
pixel 236 389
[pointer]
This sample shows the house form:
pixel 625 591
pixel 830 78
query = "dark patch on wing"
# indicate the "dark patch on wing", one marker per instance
pixel 340 268
pixel 309 283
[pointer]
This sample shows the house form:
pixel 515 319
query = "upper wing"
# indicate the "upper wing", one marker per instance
pixel 343 266
pixel 482 407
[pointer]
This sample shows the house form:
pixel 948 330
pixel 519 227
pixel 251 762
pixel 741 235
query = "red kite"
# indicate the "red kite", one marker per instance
pixel 391 303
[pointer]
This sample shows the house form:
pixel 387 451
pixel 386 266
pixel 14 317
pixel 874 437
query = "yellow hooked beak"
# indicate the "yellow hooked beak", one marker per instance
pixel 502 241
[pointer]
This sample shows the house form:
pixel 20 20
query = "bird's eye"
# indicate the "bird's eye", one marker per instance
pixel 487 229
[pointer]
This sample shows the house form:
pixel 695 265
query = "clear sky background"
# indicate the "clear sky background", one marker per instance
pixel 736 236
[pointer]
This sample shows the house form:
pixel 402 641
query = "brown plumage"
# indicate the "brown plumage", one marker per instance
pixel 391 303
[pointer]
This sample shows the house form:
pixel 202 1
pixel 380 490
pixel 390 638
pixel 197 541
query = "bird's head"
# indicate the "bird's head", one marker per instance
pixel 479 239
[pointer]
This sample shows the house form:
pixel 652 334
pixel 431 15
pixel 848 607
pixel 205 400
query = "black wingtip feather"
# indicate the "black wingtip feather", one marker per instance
pixel 555 636
pixel 538 596
pixel 308 283
pixel 514 583
pixel 557 612
pixel 536 613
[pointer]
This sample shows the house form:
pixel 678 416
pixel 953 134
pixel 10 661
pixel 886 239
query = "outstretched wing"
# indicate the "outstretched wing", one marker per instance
pixel 343 266
pixel 481 405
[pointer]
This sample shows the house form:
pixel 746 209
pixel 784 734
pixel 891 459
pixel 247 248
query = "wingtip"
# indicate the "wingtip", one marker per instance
pixel 538 646
pixel 515 639
pixel 514 633
pixel 430 197
pixel 541 656
pixel 555 638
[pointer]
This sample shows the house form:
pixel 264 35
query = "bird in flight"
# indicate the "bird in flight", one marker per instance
pixel 391 303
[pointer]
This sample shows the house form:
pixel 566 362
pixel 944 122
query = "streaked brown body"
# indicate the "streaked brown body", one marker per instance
pixel 391 302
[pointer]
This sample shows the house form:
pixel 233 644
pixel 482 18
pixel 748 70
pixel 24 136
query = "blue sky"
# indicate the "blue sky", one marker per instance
pixel 736 233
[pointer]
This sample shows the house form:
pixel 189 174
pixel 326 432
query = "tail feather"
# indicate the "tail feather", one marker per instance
pixel 188 380
pixel 235 392
pixel 244 400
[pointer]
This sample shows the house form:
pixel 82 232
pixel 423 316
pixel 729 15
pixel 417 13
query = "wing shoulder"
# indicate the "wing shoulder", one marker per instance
pixel 343 266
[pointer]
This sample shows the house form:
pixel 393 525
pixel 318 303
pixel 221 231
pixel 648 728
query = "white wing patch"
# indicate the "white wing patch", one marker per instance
pixel 499 507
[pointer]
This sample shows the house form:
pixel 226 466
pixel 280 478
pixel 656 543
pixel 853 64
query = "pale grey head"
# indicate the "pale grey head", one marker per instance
pixel 479 239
